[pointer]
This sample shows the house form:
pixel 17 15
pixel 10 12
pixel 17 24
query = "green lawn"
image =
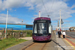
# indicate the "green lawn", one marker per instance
pixel 5 43
pixel 28 35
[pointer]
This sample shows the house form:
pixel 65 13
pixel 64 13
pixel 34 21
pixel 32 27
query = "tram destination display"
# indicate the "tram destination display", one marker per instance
pixel 42 21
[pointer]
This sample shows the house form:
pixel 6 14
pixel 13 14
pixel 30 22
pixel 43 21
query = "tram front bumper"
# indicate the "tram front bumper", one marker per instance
pixel 42 38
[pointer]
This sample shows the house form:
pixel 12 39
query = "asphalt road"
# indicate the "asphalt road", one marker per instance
pixel 72 34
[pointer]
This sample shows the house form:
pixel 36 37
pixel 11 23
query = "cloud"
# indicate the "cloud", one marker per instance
pixel 53 9
pixel 10 19
pixel 14 10
pixel 8 4
pixel 73 6
pixel 68 21
pixel 47 7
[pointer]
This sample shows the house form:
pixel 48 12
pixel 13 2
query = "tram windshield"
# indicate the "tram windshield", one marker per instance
pixel 42 28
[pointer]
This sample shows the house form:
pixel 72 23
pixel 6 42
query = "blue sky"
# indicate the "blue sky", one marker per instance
pixel 27 10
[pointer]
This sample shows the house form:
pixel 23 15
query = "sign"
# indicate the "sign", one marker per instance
pixel 62 21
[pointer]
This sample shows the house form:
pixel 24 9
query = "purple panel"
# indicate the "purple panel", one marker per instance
pixel 42 38
pixel 43 18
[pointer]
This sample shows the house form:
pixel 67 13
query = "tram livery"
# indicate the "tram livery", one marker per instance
pixel 42 29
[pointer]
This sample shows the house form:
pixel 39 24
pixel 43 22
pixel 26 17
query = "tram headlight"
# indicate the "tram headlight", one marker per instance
pixel 45 38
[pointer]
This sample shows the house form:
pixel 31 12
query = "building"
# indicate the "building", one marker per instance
pixel 72 28
pixel 11 26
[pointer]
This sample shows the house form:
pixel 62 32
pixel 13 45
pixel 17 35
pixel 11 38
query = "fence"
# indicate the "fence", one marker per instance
pixel 14 33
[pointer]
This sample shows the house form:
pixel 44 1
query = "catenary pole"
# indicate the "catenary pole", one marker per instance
pixel 6 24
pixel 22 24
pixel 39 14
pixel 60 20
pixel 48 15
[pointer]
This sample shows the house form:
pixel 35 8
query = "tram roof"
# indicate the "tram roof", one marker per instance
pixel 43 18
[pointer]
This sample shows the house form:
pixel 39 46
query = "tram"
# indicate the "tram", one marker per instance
pixel 42 29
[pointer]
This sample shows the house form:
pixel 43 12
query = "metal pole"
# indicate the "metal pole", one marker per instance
pixel 39 13
pixel 60 20
pixel 58 23
pixel 6 24
pixel 22 24
pixel 48 15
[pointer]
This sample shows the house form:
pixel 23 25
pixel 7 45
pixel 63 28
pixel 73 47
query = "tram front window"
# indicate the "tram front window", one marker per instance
pixel 42 28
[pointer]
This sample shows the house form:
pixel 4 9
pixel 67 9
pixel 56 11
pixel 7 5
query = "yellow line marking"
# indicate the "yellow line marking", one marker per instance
pixel 70 43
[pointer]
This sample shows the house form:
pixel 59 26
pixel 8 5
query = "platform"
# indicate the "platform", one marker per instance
pixel 65 43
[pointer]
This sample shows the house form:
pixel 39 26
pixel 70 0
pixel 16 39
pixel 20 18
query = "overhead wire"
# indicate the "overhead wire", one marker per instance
pixel 52 5
pixel 44 7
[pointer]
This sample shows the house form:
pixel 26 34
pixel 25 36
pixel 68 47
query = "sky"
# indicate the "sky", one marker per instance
pixel 28 10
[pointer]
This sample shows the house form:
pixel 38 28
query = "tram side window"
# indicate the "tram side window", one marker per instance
pixel 49 28
pixel 35 28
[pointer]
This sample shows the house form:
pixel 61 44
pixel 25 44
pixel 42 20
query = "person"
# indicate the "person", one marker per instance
pixel 59 34
pixel 64 34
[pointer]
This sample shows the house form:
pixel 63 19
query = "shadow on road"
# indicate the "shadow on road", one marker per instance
pixel 58 44
pixel 42 41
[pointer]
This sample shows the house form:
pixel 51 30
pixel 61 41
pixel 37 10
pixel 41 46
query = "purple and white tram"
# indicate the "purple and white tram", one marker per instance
pixel 42 29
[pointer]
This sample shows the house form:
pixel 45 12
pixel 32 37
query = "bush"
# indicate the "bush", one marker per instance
pixel 17 32
pixel 29 33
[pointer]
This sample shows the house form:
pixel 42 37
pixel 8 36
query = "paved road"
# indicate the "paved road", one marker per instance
pixel 20 46
pixel 72 34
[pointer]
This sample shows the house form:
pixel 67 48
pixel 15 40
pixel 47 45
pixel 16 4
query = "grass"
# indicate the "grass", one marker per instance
pixel 5 43
pixel 28 35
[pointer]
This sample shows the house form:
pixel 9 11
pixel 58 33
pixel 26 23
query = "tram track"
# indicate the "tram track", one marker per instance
pixel 43 46
pixel 27 46
pixel 33 46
